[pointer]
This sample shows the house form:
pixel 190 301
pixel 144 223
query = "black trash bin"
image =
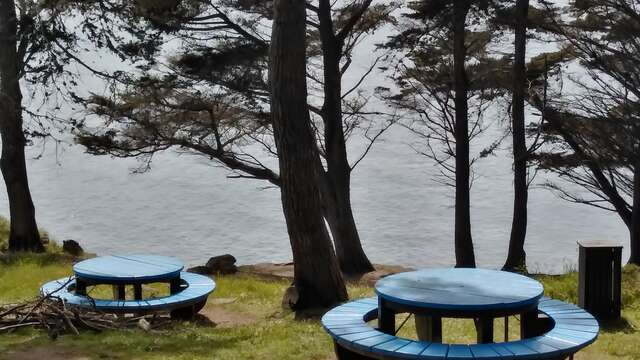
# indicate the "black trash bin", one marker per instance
pixel 600 278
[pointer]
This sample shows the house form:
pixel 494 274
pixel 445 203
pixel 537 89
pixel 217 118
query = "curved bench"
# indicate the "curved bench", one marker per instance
pixel 196 289
pixel 573 329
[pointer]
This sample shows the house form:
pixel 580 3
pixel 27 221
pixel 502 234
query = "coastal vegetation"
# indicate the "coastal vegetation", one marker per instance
pixel 251 323
pixel 249 86
pixel 269 91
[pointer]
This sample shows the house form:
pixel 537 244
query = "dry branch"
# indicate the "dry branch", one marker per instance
pixel 56 317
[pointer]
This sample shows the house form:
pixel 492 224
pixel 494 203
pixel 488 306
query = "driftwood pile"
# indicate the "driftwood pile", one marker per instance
pixel 51 313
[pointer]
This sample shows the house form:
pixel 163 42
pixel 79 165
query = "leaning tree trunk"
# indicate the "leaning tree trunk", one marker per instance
pixel 516 258
pixel 336 194
pixel 23 234
pixel 317 277
pixel 463 242
pixel 337 208
pixel 634 229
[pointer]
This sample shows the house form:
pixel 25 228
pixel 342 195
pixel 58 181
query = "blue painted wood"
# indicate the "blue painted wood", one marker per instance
pixel 393 345
pixel 563 340
pixel 501 350
pixel 484 351
pixel 360 336
pixel 199 287
pixel 414 348
pixel 373 341
pixel 460 289
pixel 517 348
pixel 435 351
pixel 129 268
pixel 350 330
pixel 459 352
pixel 539 347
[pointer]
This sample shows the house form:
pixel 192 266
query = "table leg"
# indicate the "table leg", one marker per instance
pixel 386 318
pixel 174 286
pixel 484 329
pixel 119 292
pixel 528 324
pixel 429 328
pixel 506 328
pixel 81 287
pixel 137 291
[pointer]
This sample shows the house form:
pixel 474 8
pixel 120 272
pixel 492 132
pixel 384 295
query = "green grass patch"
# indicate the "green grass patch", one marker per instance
pixel 268 332
pixel 51 246
pixel 4 234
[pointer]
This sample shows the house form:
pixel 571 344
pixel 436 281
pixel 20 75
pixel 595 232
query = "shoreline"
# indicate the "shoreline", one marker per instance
pixel 284 271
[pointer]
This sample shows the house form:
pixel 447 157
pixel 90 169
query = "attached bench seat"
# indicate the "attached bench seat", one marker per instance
pixel 198 288
pixel 573 329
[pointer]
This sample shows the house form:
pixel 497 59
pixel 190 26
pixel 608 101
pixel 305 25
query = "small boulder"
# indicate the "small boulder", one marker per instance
pixel 202 270
pixel 223 264
pixel 72 247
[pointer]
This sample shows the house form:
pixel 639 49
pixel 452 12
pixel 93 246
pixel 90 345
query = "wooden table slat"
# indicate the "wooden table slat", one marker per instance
pixel 129 268
pixel 460 289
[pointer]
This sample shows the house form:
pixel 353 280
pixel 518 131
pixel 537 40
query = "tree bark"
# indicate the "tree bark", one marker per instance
pixel 24 234
pixel 317 277
pixel 516 257
pixel 634 229
pixel 337 208
pixel 463 242
pixel 336 195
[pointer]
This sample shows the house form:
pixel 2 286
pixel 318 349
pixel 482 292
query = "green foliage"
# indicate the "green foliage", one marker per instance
pixel 53 250
pixel 271 333
pixel 4 234
pixel 593 128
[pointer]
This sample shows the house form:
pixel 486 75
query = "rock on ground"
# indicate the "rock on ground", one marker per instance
pixel 223 264
pixel 72 247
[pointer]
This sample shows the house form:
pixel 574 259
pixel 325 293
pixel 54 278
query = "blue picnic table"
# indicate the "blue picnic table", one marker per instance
pixel 479 294
pixel 188 292
pixel 122 270
pixel 550 329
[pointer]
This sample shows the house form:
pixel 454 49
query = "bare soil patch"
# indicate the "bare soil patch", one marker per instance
pixel 225 318
pixel 285 271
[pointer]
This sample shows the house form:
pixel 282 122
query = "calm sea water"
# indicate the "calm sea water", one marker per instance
pixel 187 207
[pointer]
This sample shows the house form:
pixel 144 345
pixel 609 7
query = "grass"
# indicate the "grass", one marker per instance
pixel 50 245
pixel 4 233
pixel 271 333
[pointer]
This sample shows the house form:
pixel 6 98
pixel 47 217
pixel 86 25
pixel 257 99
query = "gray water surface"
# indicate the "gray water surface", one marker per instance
pixel 188 208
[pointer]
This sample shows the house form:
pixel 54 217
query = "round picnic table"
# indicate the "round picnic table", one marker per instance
pixel 479 294
pixel 122 270
pixel 188 291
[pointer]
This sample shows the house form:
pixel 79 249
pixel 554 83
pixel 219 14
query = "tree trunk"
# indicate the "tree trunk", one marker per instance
pixel 516 258
pixel 351 256
pixel 337 192
pixel 463 242
pixel 634 244
pixel 317 278
pixel 24 234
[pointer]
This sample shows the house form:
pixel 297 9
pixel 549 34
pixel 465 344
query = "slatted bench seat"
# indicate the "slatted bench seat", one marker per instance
pixel 193 295
pixel 572 329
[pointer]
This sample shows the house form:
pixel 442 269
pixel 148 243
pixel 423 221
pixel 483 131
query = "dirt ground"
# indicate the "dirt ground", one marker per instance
pixel 225 318
pixel 215 314
pixel 285 271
